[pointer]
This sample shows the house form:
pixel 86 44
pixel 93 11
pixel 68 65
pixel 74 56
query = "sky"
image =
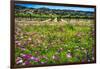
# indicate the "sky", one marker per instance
pixel 57 7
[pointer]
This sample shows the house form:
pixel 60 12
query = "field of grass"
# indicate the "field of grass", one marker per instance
pixel 53 44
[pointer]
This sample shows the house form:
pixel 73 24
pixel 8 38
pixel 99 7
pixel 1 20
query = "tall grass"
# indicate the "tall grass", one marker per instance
pixel 54 44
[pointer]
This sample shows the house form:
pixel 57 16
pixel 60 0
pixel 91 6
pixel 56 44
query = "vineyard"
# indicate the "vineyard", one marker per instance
pixel 53 40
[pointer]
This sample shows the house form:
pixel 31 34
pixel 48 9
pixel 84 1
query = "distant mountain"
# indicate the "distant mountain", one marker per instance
pixel 47 11
pixel 44 8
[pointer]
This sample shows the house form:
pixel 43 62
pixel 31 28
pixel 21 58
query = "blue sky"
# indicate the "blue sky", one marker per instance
pixel 57 7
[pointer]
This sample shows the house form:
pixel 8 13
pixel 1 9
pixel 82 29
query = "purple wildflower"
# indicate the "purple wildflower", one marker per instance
pixel 27 63
pixel 42 62
pixel 69 55
pixel 26 56
pixel 32 58
pixel 19 60
pixel 18 43
pixel 35 59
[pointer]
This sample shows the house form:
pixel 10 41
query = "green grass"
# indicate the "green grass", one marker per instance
pixel 56 40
